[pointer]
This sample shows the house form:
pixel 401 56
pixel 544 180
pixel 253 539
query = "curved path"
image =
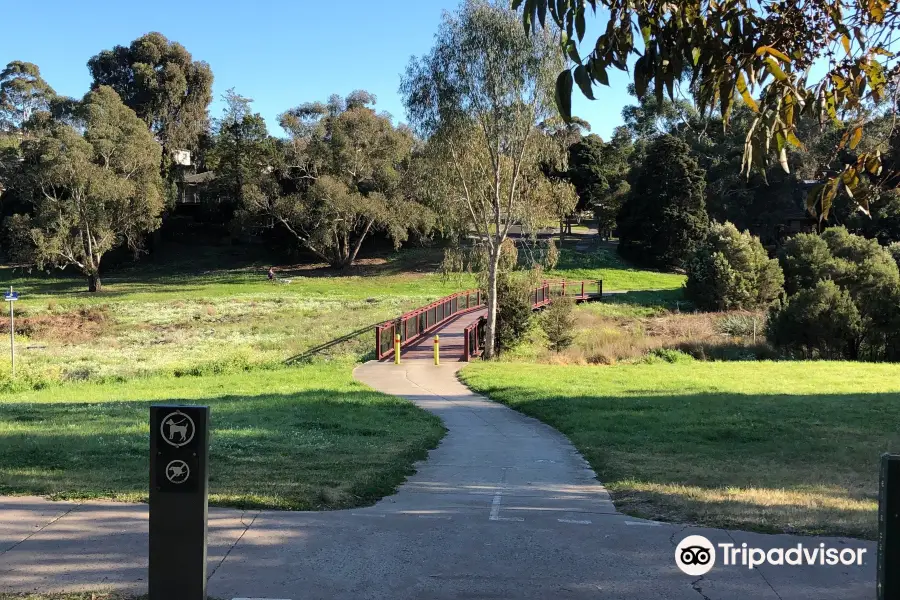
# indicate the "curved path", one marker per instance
pixel 503 508
pixel 493 460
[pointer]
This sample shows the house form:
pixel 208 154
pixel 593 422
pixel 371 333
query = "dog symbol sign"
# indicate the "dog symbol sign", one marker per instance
pixel 177 429
pixel 178 471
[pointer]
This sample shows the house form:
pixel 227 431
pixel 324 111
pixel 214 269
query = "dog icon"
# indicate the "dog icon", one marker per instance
pixel 180 428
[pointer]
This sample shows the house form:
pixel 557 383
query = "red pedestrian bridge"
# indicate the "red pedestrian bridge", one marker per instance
pixel 459 320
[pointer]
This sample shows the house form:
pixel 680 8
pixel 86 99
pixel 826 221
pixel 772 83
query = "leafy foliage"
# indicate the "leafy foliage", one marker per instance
pixel 23 92
pixel 558 323
pixel 162 83
pixel 817 322
pixel 599 171
pixel 243 156
pixel 91 192
pixel 345 177
pixel 862 269
pixel 760 52
pixel 483 98
pixel 731 270
pixel 664 216
pixel 514 313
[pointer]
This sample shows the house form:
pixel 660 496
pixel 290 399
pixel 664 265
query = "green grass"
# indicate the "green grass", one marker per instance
pixel 166 320
pixel 293 438
pixel 777 447
pixel 603 263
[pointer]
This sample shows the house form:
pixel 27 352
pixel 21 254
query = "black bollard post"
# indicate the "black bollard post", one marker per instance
pixel 179 474
pixel 889 528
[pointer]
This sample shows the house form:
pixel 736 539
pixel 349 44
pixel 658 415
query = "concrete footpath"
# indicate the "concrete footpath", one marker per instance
pixel 503 508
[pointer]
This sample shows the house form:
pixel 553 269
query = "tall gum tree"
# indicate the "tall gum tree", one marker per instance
pixel 344 177
pixel 479 98
pixel 91 191
pixel 160 81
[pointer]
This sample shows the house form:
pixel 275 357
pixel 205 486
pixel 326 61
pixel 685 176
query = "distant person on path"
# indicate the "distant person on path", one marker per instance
pixel 271 274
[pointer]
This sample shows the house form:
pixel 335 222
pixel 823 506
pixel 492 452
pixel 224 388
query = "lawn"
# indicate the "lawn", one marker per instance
pixel 604 263
pixel 767 446
pixel 175 319
pixel 299 438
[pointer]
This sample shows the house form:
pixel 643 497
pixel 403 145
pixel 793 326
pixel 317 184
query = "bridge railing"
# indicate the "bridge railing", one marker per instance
pixel 414 325
pixel 541 296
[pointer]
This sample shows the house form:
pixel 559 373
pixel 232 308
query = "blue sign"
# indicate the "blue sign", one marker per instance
pixel 11 296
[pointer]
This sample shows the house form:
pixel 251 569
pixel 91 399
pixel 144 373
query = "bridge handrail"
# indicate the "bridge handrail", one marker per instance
pixel 473 334
pixel 417 323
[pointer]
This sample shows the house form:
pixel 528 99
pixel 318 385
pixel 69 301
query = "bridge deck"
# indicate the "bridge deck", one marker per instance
pixel 452 343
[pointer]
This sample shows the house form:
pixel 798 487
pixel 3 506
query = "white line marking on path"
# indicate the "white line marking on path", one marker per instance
pixel 495 511
pixel 352 515
pixel 495 507
pixel 574 521
pixel 434 517
pixel 644 523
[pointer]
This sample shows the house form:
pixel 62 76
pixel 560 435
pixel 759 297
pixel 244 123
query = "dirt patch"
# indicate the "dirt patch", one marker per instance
pixel 70 328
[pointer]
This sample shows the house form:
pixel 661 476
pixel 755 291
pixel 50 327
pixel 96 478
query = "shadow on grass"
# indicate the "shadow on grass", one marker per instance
pixel 314 449
pixel 175 274
pixel 772 463
pixel 671 299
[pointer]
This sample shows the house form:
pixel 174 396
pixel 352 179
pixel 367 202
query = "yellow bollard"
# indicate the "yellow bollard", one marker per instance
pixel 437 350
pixel 397 349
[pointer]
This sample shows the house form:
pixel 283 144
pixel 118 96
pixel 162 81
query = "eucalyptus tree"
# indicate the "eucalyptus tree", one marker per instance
pixel 830 59
pixel 163 84
pixel 343 178
pixel 23 92
pixel 93 187
pixel 478 98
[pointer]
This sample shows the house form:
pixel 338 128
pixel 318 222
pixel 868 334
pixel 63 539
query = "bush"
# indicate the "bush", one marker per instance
pixel 558 322
pixel 731 270
pixel 514 310
pixel 894 249
pixel 821 322
pixel 862 268
pixel 668 355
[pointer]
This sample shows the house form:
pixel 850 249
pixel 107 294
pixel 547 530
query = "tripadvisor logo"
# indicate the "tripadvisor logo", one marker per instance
pixel 696 555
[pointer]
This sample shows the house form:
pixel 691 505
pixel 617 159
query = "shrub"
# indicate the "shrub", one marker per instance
pixel 551 257
pixel 514 310
pixel 731 270
pixel 668 355
pixel 894 249
pixel 558 322
pixel 805 260
pixel 821 322
pixel 861 267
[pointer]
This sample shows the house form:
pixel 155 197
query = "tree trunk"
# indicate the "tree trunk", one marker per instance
pixel 562 232
pixel 94 284
pixel 490 330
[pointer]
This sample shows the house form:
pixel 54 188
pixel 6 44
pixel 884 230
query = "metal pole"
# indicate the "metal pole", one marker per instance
pixel 12 335
pixel 888 565
pixel 397 349
pixel 437 350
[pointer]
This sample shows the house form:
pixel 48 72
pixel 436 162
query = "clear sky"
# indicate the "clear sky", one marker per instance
pixel 279 52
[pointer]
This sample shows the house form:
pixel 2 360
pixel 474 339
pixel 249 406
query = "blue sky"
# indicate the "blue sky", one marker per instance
pixel 278 52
